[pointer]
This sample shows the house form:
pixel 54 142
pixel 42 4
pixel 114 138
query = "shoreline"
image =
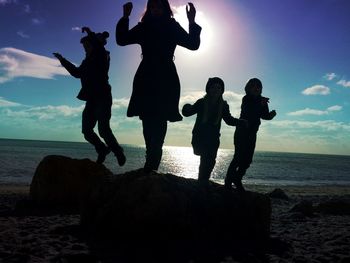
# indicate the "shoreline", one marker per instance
pixel 302 190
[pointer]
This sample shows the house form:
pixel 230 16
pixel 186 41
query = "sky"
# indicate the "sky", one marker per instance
pixel 299 49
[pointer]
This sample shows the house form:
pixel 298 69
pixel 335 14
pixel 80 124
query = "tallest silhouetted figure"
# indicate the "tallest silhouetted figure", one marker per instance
pixel 156 87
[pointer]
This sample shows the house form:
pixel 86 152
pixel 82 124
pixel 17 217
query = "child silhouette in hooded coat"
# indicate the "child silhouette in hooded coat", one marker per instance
pixel 254 107
pixel 210 110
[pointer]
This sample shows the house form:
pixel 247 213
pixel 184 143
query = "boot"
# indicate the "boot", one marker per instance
pixel 120 156
pixel 102 155
pixel 237 180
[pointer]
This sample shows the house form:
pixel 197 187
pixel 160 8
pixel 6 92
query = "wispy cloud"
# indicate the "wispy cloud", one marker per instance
pixel 309 111
pixel 18 63
pixel 22 34
pixel 327 125
pixel 344 83
pixel 316 90
pixel 335 108
pixel 37 21
pixel 27 9
pixel 7 103
pixel 45 112
pixel 5 2
pixel 76 28
pixel 330 76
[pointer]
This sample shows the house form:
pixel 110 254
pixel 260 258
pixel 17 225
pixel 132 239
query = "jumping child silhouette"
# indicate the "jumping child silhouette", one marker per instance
pixel 210 110
pixel 254 107
pixel 96 91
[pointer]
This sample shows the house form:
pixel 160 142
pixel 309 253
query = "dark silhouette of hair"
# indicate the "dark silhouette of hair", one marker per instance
pixel 215 80
pixel 251 83
pixel 166 9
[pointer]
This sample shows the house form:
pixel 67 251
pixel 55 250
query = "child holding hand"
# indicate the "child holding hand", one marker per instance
pixel 210 110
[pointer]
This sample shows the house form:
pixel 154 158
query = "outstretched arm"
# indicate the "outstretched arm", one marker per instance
pixel 229 119
pixel 70 67
pixel 189 110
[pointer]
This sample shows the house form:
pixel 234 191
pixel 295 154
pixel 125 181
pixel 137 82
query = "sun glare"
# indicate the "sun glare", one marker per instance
pixel 206 34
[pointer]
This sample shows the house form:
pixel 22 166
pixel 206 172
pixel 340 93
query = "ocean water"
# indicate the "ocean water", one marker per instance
pixel 19 159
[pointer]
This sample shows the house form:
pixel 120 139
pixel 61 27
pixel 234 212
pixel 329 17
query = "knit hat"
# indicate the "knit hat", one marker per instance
pixel 215 80
pixel 102 37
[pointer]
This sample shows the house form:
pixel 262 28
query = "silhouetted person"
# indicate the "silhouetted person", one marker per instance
pixel 210 110
pixel 254 107
pixel 96 91
pixel 156 87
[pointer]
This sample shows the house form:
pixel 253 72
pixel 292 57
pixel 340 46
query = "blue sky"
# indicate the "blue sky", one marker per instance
pixel 298 48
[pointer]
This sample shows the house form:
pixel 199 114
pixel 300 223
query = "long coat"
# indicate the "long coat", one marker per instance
pixel 156 86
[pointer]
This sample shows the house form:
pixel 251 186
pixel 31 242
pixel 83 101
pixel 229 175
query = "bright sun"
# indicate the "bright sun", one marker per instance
pixel 206 34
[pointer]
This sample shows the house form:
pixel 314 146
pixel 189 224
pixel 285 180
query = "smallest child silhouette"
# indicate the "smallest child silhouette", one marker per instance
pixel 210 110
pixel 254 107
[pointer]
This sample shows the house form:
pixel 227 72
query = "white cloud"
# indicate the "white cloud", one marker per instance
pixel 7 103
pixel 316 90
pixel 37 21
pixel 22 34
pixel 330 76
pixel 335 108
pixel 46 112
pixel 120 103
pixel 344 83
pixel 327 125
pixel 76 28
pixel 18 63
pixel 309 111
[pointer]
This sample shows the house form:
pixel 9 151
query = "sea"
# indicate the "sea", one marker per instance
pixel 19 159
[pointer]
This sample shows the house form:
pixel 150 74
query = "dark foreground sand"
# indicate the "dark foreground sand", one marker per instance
pixel 54 238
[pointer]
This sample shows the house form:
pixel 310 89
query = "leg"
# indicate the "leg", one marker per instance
pixel 231 171
pixel 105 131
pixel 206 166
pixel 88 123
pixel 154 132
pixel 245 161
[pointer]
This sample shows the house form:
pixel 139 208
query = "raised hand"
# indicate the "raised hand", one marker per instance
pixel 127 8
pixel 273 113
pixel 191 12
pixel 86 29
pixel 57 55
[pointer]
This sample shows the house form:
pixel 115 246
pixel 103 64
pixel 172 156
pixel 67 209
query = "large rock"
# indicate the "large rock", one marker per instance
pixel 61 181
pixel 139 206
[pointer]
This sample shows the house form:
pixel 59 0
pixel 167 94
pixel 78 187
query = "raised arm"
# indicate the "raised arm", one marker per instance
pixel 189 40
pixel 123 35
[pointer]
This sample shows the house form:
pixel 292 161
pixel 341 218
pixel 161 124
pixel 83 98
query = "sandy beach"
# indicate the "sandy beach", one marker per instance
pixel 303 236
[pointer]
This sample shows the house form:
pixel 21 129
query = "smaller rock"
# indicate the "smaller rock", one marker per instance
pixel 278 193
pixel 304 207
pixel 334 206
